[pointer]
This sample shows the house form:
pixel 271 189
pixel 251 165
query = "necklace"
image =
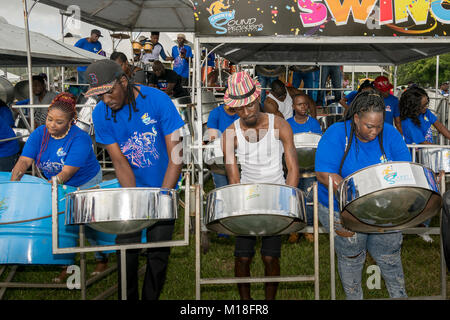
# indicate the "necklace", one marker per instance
pixel 61 137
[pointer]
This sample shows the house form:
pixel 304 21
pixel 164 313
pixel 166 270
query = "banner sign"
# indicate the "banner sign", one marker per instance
pixel 430 18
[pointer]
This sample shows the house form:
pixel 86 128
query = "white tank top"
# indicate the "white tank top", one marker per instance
pixel 261 162
pixel 285 107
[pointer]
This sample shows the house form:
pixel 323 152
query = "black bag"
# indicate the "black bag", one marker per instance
pixel 445 228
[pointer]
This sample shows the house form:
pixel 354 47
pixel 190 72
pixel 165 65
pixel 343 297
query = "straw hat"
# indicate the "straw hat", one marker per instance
pixel 242 90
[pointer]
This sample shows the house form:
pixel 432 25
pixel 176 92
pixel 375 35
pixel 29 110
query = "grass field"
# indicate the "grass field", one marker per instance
pixel 421 264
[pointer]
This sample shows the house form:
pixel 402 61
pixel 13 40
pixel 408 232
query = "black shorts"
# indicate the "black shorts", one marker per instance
pixel 245 246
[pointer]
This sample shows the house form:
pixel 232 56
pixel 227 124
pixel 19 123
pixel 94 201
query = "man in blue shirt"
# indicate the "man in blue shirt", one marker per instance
pixel 392 114
pixel 139 127
pixel 90 44
pixel 181 54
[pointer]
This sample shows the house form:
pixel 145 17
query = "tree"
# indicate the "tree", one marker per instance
pixel 423 72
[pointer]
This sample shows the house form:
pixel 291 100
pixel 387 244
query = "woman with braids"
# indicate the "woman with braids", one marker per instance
pixel 139 127
pixel 59 148
pixel 361 140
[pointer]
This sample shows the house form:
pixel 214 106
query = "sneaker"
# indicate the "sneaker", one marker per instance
pixel 100 267
pixel 293 237
pixel 309 237
pixel 426 238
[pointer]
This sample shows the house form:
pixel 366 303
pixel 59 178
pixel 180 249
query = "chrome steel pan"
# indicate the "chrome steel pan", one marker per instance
pixel 334 108
pixel 21 91
pixel 213 157
pixel 434 158
pixel 24 133
pixel 389 196
pixel 255 210
pixel 327 121
pixel 121 210
pixel 6 90
pixel 306 145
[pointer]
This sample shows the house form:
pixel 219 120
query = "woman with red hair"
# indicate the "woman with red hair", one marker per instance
pixel 59 148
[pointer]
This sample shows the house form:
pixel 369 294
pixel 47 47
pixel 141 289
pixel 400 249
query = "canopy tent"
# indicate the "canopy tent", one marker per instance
pixel 45 52
pixel 136 15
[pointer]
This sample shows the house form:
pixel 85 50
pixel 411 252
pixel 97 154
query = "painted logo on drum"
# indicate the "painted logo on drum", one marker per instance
pixel 390 175
pixel 252 192
pixel 3 205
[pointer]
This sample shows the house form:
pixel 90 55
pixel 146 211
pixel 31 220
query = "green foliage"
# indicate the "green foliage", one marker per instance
pixel 423 72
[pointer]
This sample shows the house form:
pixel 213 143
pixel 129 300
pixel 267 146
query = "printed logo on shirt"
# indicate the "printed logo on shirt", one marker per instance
pixel 425 118
pixel 383 159
pixel 147 120
pixel 61 152
pixel 140 149
pixel 51 168
pixel 388 109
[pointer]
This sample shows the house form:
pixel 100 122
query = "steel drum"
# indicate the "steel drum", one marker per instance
pixel 334 108
pixel 121 210
pixel 436 159
pixel 213 157
pixel 388 197
pixel 255 210
pixel 209 102
pixel 21 132
pixel 6 90
pixel 21 91
pixel 26 222
pixel 327 121
pixel 306 145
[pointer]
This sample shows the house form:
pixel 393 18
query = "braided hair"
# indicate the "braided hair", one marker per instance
pixel 365 101
pixel 65 102
pixel 130 100
pixel 411 105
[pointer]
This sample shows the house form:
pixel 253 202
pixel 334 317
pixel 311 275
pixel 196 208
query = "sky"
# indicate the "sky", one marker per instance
pixel 47 20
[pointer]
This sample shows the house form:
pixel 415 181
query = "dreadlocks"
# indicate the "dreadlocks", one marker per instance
pixel 365 101
pixel 411 105
pixel 130 100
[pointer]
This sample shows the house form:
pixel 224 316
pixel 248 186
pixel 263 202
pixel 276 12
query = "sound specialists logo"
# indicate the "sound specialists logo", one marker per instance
pixel 224 21
pixel 389 175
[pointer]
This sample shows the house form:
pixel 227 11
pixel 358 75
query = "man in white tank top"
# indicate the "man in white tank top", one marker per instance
pixel 279 100
pixel 258 140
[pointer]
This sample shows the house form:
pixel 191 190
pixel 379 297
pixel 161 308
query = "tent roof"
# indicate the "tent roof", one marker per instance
pixel 136 15
pixel 331 51
pixel 44 51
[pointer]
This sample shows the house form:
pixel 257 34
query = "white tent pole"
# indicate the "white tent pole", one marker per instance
pixel 30 77
pixel 395 80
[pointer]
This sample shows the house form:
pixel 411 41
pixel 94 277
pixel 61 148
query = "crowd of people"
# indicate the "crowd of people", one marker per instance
pixel 135 109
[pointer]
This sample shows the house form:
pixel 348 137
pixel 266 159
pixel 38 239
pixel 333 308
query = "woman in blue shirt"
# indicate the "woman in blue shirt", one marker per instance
pixel 363 139
pixel 417 118
pixel 61 149
pixel 302 122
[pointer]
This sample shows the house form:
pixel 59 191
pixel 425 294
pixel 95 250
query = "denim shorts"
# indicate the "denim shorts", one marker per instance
pixel 245 246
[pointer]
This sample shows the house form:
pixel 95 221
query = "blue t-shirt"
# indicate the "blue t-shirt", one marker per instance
pixel 74 150
pixel 415 134
pixel 142 138
pixel 350 96
pixel 219 119
pixel 332 146
pixel 89 46
pixel 7 148
pixel 6 116
pixel 392 109
pixel 180 65
pixel 311 125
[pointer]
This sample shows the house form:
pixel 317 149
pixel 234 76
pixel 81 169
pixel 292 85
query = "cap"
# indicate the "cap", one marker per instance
pixel 101 76
pixel 382 83
pixel 181 35
pixel 97 32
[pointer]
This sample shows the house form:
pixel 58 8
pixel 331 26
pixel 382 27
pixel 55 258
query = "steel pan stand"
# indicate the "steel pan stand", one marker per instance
pixel 235 280
pixel 122 247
